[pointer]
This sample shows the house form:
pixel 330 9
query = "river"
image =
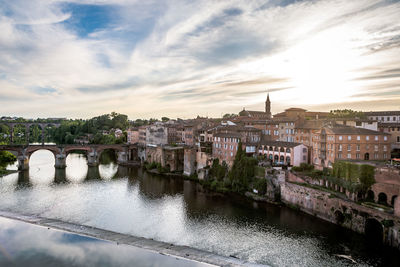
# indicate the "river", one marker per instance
pixel 131 201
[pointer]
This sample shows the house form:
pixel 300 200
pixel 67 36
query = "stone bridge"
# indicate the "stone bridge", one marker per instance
pixel 42 125
pixel 126 153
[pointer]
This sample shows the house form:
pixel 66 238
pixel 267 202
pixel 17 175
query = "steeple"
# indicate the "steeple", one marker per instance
pixel 268 106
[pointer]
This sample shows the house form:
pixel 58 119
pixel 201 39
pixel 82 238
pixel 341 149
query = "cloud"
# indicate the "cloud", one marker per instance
pixel 181 57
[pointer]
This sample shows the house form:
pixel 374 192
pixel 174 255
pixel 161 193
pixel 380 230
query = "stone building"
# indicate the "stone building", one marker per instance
pixel 169 157
pixel 285 153
pixel 384 116
pixel 339 142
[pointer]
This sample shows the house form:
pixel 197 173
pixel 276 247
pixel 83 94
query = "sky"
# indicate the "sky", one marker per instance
pixel 183 58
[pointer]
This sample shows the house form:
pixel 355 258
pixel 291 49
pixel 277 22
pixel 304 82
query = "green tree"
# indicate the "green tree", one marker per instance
pixel 242 172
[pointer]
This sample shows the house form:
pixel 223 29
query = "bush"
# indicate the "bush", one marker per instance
pixel 260 185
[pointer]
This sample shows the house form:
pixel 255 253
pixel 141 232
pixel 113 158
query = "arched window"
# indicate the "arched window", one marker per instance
pixel 282 159
pixel 282 149
pixel 287 150
pixel 288 160
pixel 276 158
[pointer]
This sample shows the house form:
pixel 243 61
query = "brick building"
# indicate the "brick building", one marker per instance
pixel 339 142
pixel 132 135
pixel 225 146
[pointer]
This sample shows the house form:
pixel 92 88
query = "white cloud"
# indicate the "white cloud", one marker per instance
pixel 150 52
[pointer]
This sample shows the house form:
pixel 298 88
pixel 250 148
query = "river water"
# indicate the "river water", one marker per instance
pixel 130 201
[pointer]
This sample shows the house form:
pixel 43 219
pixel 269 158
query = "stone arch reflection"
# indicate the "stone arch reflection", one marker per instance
pixel 41 167
pixel 77 167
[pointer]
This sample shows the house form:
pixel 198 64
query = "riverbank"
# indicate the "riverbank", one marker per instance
pixel 322 205
pixel 179 252
pixel 4 172
pixel 215 189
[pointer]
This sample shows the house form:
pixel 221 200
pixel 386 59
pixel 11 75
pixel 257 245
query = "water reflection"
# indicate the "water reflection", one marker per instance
pixel 23 244
pixel 128 200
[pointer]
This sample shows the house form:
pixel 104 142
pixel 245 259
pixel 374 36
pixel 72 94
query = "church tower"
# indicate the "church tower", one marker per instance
pixel 268 107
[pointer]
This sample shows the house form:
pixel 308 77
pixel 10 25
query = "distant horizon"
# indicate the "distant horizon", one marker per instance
pixel 181 58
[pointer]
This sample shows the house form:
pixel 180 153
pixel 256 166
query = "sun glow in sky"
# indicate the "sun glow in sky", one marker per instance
pixel 183 58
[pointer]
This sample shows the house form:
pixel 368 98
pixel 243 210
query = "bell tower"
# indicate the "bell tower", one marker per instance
pixel 268 107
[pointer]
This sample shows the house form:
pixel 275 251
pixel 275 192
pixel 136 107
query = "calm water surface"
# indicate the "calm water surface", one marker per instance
pixel 23 244
pixel 127 200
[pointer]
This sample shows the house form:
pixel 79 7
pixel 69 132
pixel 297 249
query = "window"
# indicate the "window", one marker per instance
pixel 225 146
pixel 339 155
pixel 367 138
pixel 384 148
pixel 231 154
pixel 394 118
pixel 357 155
pixel 367 147
pixel 398 139
pixel 304 150
pixel 340 147
pixel 376 138
pixel 385 156
pixel 358 147
pixel 349 137
pixel 349 156
pixel 348 147
pixel 340 137
pixel 376 148
pixel 376 156
pixel 385 138
pixel 358 123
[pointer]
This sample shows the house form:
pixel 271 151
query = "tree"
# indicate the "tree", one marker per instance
pixel 164 119
pixel 242 172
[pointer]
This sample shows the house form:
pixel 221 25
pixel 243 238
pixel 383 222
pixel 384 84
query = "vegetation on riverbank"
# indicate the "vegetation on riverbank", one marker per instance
pixel 244 176
pixel 5 159
pixel 351 176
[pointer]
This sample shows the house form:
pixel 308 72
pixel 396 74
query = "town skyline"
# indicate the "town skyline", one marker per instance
pixel 181 59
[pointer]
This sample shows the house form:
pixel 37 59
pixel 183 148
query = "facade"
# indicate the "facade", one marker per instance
pixel 285 153
pixel 384 116
pixel 142 135
pixel 169 157
pixel 394 130
pixel 132 136
pixel 339 142
pixel 225 146
pixel 161 134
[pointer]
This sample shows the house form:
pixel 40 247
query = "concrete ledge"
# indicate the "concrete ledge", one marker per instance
pixel 149 244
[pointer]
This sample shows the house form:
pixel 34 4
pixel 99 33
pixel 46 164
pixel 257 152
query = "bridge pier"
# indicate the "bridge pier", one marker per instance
pixel 23 162
pixel 61 161
pixel 122 157
pixel 93 160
